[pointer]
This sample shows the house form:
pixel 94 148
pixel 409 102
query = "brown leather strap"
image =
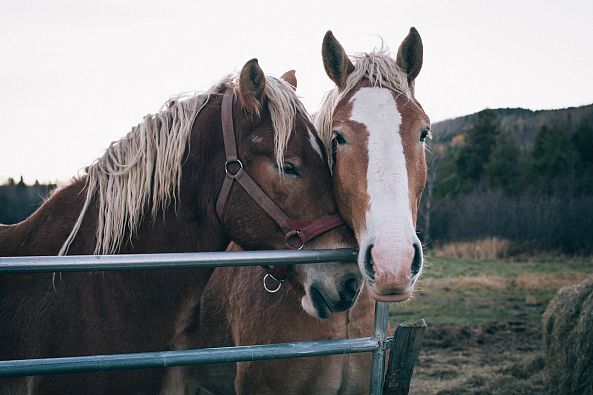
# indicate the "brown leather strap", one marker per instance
pixel 297 233
pixel 309 230
pixel 266 204
pixel 230 149
pixel 228 127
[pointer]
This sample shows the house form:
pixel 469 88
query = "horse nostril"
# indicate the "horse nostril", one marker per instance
pixel 368 263
pixel 417 261
pixel 350 290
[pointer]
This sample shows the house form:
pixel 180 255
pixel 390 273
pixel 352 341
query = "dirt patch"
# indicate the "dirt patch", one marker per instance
pixel 494 358
pixel 485 324
pixel 493 336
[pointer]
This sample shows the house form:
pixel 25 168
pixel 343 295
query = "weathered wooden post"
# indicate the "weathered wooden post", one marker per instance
pixel 403 354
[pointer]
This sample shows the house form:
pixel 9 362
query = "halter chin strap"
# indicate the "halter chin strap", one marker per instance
pixel 297 232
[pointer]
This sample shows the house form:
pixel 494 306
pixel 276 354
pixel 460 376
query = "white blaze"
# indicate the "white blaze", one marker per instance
pixel 389 213
pixel 314 143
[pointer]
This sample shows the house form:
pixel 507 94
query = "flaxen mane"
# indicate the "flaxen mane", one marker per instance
pixel 380 69
pixel 143 169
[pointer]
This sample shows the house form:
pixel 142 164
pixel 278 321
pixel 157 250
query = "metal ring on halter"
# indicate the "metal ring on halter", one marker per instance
pixel 230 162
pixel 292 235
pixel 275 279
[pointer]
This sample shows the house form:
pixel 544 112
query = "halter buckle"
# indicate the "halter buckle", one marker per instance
pixel 230 162
pixel 292 237
pixel 270 290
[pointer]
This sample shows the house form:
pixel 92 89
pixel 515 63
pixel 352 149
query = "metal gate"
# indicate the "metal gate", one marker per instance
pixel 405 346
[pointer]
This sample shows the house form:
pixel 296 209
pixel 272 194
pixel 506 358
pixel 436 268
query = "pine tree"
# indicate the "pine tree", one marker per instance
pixel 504 166
pixel 553 154
pixel 583 143
pixel 479 143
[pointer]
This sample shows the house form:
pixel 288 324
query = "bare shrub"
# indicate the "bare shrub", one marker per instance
pixel 483 249
pixel 549 280
pixel 534 222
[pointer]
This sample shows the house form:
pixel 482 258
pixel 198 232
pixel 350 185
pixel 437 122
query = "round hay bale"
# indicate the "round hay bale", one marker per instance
pixel 568 340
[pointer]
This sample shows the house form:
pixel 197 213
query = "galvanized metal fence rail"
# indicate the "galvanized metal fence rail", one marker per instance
pixel 377 344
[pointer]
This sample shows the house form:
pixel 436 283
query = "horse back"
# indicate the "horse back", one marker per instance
pixel 44 231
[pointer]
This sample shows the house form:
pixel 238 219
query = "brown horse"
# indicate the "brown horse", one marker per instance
pixel 157 190
pixel 375 131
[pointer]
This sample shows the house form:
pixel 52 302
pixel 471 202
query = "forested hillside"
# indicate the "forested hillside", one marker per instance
pixel 522 175
pixel 524 123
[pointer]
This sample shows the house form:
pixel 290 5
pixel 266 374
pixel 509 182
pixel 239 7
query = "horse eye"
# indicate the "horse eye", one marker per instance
pixel 290 169
pixel 424 134
pixel 339 137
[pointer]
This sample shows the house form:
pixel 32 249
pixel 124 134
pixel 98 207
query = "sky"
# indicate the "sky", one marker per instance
pixel 75 76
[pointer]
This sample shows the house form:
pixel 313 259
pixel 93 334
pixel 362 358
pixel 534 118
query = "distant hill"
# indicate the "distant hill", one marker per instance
pixel 523 123
pixel 511 173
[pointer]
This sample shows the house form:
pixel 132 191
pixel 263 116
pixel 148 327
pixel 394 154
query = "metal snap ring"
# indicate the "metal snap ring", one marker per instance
pixel 230 162
pixel 294 235
pixel 270 290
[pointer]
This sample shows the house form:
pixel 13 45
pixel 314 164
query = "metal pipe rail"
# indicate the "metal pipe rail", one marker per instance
pixel 165 359
pixel 81 263
pixel 377 344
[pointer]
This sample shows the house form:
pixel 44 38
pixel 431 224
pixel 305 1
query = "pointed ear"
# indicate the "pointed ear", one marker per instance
pixel 290 77
pixel 252 84
pixel 409 54
pixel 336 62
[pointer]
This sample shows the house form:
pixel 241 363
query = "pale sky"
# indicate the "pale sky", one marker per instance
pixel 76 75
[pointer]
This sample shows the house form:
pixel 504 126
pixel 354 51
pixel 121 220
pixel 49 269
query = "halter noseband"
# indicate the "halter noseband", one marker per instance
pixel 297 232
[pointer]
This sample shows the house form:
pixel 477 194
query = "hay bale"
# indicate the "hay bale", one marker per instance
pixel 568 340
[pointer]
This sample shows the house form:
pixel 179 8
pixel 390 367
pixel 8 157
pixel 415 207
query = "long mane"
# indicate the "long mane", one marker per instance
pixel 142 171
pixel 380 69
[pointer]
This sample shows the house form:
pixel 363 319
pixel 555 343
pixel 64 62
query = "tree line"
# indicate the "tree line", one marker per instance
pixel 18 200
pixel 483 183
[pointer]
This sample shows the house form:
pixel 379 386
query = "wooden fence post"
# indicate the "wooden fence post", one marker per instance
pixel 404 350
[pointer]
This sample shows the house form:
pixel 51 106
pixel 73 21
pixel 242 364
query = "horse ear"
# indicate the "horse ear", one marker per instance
pixel 409 54
pixel 252 84
pixel 290 77
pixel 337 64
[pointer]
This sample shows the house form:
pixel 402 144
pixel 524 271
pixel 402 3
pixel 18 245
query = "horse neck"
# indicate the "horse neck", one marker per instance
pixel 190 223
pixel 191 226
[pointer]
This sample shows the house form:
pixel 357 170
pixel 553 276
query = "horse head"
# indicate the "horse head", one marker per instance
pixel 280 149
pixel 376 130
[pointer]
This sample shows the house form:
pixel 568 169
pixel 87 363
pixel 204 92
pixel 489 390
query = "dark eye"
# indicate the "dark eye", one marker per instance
pixel 290 170
pixel 424 134
pixel 339 138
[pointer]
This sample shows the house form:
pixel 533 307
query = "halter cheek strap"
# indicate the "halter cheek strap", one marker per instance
pixel 297 232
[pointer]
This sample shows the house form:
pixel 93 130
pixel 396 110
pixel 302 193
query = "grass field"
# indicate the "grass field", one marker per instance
pixel 484 319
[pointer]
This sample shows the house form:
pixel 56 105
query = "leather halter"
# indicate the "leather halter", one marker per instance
pixel 297 232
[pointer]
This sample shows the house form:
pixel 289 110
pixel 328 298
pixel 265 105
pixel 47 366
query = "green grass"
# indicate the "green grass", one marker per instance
pixel 440 300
